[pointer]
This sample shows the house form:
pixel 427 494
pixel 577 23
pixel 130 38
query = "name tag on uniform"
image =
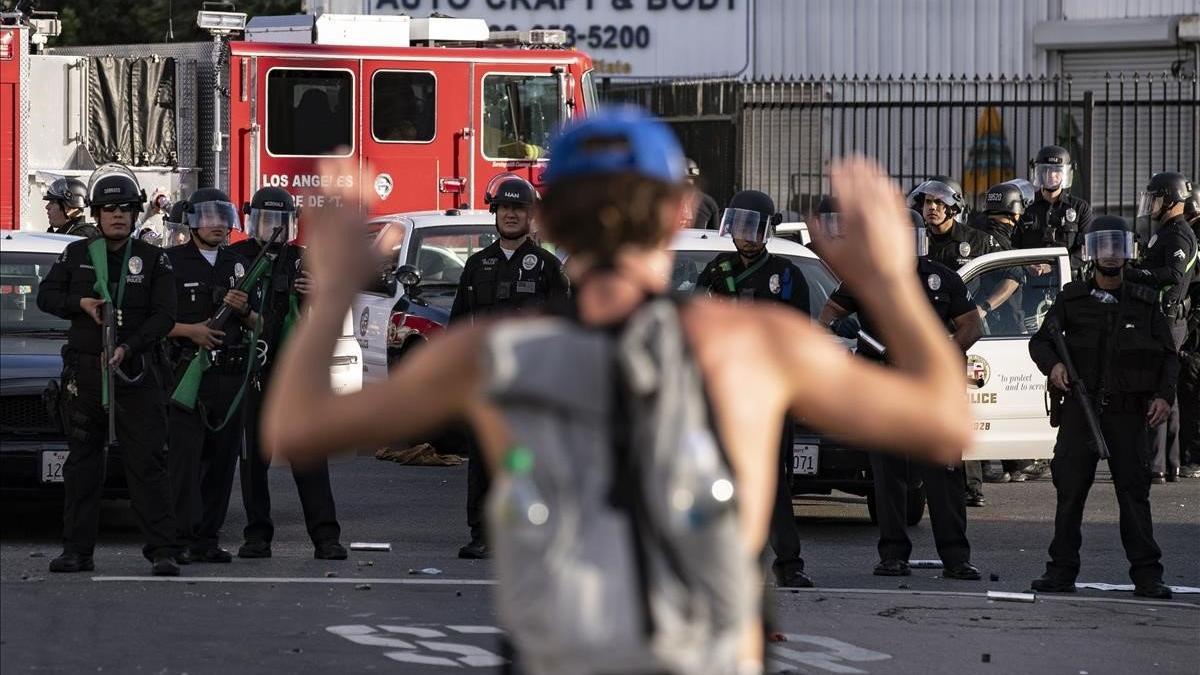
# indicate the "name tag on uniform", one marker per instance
pixel 525 287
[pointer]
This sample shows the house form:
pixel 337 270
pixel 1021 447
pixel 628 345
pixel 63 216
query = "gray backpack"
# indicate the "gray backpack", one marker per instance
pixel 633 562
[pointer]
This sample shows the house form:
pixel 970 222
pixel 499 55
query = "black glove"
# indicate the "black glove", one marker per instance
pixel 845 327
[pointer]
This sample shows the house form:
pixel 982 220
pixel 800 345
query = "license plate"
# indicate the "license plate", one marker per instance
pixel 804 459
pixel 52 465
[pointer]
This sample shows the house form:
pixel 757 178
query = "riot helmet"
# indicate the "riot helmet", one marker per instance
pixel 1009 198
pixel 1191 208
pixel 1051 169
pixel 1109 237
pixel 115 184
pixel 750 216
pixel 921 233
pixel 269 209
pixel 693 169
pixel 210 207
pixel 70 192
pixel 511 190
pixel 175 226
pixel 943 190
pixel 827 216
pixel 1169 186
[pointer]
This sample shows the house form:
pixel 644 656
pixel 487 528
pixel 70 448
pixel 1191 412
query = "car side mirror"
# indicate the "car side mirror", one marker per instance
pixel 409 277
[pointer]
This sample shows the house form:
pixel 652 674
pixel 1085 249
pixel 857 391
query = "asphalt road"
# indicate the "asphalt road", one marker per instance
pixel 377 612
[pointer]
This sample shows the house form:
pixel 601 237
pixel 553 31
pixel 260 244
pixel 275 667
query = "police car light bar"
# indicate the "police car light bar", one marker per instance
pixel 221 23
pixel 534 38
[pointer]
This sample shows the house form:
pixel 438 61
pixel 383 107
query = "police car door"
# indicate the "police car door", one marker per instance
pixel 1007 392
pixel 372 308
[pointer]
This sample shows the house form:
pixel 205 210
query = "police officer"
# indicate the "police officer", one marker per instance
pixel 142 288
pixel 65 203
pixel 1055 218
pixel 945 486
pixel 951 242
pixel 1120 344
pixel 512 274
pixel 204 441
pixel 1168 267
pixel 752 273
pixel 704 211
pixel 278 296
pixel 1189 354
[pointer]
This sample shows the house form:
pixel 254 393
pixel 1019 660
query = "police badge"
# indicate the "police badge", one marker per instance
pixel 1071 215
pixel 773 284
pixel 239 270
pixel 934 281
pixel 964 249
pixel 135 265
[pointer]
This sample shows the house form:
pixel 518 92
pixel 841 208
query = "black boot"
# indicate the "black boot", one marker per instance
pixel 72 562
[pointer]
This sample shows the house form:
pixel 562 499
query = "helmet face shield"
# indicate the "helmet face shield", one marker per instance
pixel 1051 176
pixel 1108 244
pixel 745 224
pixel 177 234
pixel 262 223
pixel 213 214
pixel 922 242
pixel 1145 204
pixel 940 192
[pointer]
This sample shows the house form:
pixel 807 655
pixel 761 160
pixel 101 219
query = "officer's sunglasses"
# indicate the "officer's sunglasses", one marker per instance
pixel 113 208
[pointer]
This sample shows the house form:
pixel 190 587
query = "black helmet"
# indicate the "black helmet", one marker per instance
pixel 944 190
pixel 1109 237
pixel 1051 169
pixel 750 215
pixel 1009 198
pixel 271 208
pixel 209 206
pixel 693 169
pixel 115 184
pixel 514 190
pixel 1171 186
pixel 71 192
pixel 1191 207
pixel 175 225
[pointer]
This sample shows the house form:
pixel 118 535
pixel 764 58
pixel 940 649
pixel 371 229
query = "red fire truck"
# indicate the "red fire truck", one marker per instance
pixel 431 108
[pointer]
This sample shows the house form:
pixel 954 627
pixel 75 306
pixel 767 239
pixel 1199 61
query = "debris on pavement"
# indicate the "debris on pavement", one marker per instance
pixel 1004 596
pixel 370 546
pixel 426 571
pixel 925 564
pixel 363 587
pixel 417 455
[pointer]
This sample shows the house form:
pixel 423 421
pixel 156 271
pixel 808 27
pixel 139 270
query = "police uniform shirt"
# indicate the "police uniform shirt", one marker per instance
pixel 78 226
pixel 272 295
pixel 947 294
pixel 775 278
pixel 201 287
pixel 1122 331
pixel 1059 223
pixel 145 315
pixel 1170 260
pixel 707 215
pixel 491 282
pixel 959 245
pixel 1001 240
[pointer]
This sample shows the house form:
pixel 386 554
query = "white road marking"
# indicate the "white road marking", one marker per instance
pixel 464 655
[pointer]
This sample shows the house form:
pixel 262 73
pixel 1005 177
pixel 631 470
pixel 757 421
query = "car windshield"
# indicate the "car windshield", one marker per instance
pixel 821 283
pixel 20 274
pixel 440 253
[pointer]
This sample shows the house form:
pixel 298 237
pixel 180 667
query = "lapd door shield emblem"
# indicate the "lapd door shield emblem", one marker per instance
pixel 239 270
pixel 383 185
pixel 529 262
pixel 773 284
pixel 135 265
pixel 364 321
pixel 934 281
pixel 978 371
pixel 964 249
pixel 1071 215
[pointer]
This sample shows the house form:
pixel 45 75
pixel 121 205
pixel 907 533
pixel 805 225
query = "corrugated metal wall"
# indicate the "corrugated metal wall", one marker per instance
pixel 898 37
pixel 1126 9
